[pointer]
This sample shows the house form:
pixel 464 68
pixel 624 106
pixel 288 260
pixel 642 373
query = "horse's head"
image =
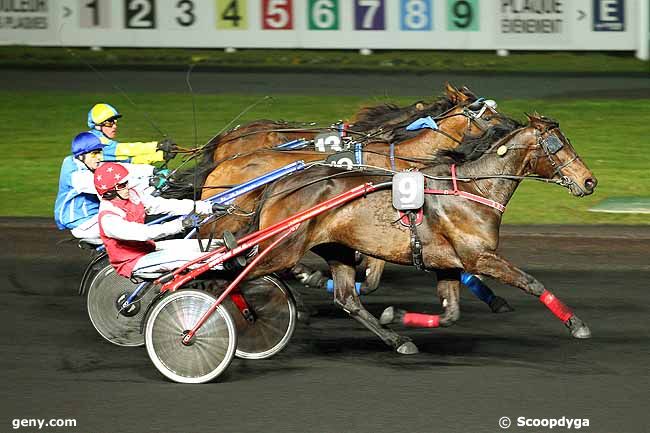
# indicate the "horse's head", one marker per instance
pixel 552 156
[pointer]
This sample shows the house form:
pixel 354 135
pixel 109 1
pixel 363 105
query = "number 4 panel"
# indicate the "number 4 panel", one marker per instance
pixel 232 15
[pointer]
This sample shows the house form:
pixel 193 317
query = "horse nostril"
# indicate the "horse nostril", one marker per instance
pixel 590 184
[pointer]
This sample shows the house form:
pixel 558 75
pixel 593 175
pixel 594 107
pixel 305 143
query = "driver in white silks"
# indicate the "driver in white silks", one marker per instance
pixel 129 242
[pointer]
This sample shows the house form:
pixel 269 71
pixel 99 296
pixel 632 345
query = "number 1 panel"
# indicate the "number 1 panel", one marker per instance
pixel 95 13
pixel 369 15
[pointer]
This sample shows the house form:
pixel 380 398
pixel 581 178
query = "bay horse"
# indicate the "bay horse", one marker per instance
pixel 456 233
pixel 415 149
pixel 376 121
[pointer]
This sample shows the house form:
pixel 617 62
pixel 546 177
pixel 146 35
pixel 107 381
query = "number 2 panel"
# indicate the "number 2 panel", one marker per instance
pixel 232 15
pixel 369 15
pixel 140 14
pixel 416 15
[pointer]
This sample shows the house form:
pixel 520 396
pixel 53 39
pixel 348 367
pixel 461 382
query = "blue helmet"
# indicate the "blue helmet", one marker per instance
pixel 100 113
pixel 84 143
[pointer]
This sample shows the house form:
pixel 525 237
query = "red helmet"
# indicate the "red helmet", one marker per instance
pixel 108 176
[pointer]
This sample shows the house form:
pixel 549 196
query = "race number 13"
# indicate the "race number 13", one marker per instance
pixel 369 15
pixel 277 15
pixel 140 14
pixel 415 15
pixel 323 14
pixel 231 15
pixel 463 15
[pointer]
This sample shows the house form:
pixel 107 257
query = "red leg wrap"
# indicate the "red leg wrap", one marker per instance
pixel 556 306
pixel 417 320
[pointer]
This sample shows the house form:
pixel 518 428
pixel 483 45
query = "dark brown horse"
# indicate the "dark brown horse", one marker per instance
pixel 456 233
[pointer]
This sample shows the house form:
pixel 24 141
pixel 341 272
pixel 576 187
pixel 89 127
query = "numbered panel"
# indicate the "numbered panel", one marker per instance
pixel 95 14
pixel 232 15
pixel 185 14
pixel 369 15
pixel 408 190
pixel 463 15
pixel 416 15
pixel 140 14
pixel 342 160
pixel 328 142
pixel 277 14
pixel 323 14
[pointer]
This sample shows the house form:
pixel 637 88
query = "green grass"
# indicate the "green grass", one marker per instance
pixel 36 129
pixel 328 60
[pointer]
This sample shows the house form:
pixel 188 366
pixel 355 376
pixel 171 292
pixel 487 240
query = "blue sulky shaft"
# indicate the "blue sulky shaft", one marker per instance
pixel 226 197
pixel 293 144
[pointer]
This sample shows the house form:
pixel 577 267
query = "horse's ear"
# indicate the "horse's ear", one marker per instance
pixel 534 119
pixel 452 93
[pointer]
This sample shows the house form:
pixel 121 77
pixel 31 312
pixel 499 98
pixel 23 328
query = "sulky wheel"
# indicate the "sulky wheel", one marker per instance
pixel 207 355
pixel 106 293
pixel 269 325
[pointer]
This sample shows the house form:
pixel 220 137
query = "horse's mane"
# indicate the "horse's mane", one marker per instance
pixel 378 116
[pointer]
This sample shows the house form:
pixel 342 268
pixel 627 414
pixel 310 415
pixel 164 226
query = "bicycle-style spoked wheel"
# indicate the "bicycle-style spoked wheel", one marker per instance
pixel 271 321
pixel 106 293
pixel 210 351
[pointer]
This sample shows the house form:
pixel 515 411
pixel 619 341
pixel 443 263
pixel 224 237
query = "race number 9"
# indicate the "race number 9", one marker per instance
pixel 463 15
pixel 140 14
pixel 369 15
pixel 277 15
pixel 408 190
pixel 94 13
pixel 416 15
pixel 323 14
pixel 231 15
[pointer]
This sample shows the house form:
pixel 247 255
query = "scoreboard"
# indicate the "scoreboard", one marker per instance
pixel 375 24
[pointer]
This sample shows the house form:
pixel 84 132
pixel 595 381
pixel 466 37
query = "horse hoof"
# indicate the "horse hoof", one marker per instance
pixel 578 328
pixel 407 348
pixel 500 305
pixel 387 316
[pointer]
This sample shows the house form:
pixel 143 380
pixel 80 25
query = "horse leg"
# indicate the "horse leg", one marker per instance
pixel 495 266
pixel 496 303
pixel 448 291
pixel 341 262
pixel 374 270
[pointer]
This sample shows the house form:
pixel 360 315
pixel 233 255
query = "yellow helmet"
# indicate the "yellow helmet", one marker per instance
pixel 100 113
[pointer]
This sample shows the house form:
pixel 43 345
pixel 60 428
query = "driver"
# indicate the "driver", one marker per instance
pixel 102 121
pixel 130 244
pixel 77 204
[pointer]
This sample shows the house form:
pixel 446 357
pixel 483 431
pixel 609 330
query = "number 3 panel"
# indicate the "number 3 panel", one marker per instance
pixel 416 15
